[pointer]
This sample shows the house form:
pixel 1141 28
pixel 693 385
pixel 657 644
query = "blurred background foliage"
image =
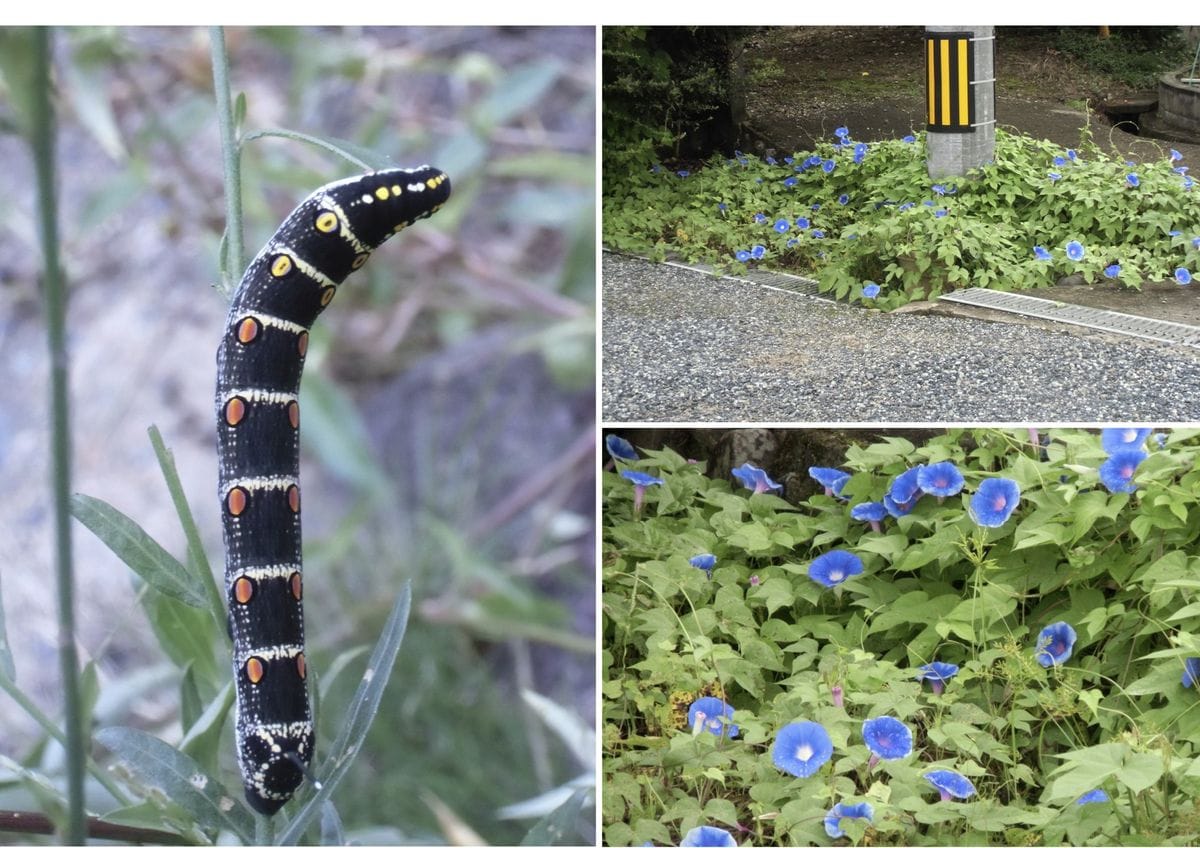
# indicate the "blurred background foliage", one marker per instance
pixel 448 398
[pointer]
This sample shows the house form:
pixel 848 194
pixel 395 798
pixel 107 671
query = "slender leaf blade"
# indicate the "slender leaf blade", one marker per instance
pixel 180 779
pixel 134 546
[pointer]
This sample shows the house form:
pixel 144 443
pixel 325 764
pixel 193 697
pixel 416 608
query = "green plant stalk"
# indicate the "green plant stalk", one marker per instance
pixel 42 141
pixel 230 155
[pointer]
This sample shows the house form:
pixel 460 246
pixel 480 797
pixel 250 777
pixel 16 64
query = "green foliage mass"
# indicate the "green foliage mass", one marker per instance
pixel 897 228
pixel 1121 569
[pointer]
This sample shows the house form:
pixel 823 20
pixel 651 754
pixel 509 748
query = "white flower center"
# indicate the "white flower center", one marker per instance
pixel 834 576
pixel 804 753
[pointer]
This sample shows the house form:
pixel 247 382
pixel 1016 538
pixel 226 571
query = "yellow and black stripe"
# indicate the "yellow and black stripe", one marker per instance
pixel 259 363
pixel 949 68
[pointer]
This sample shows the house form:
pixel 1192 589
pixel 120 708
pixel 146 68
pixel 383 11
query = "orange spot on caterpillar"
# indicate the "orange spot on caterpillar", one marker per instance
pixel 302 343
pixel 235 411
pixel 301 666
pixel 297 587
pixel 248 330
pixel 255 670
pixel 243 590
pixel 328 294
pixel 359 260
pixel 236 500
pixel 293 495
pixel 293 411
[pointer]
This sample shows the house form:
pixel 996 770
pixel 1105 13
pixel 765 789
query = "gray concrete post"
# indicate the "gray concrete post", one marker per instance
pixel 959 139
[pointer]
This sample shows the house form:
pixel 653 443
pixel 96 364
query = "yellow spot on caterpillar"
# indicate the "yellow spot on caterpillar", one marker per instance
pixel 434 182
pixel 327 222
pixel 396 191
pixel 381 193
pixel 281 266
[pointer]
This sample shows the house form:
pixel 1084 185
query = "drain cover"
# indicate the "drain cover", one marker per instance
pixel 1170 332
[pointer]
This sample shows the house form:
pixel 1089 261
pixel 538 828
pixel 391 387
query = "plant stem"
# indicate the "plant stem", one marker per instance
pixel 42 139
pixel 235 258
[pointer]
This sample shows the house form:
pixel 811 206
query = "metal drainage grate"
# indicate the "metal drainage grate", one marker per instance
pixel 767 279
pixel 1170 332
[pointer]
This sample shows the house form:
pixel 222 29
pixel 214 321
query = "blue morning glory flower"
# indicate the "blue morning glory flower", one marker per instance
pixel 1041 252
pixel 1115 438
pixel 722 207
pixel 909 139
pixel 928 203
pixel 994 501
pixel 1059 161
pixel 871 511
pixel 1183 276
pixel 619 448
pixel 1191 672
pixel 828 165
pixel 833 819
pixel 760 218
pixel 788 159
pixel 1132 180
pixel 782 226
pixel 742 256
pixel 753 477
pixel 801 748
pixel 1096 796
pixel 790 181
pixel 906 486
pixel 896 508
pixel 792 242
pixel 818 234
pixel 1116 473
pixel 802 223
pixel 951 784
pixel 1054 644
pixel 833 568
pixel 941 479
pixel 860 153
pixel 813 160
pixel 1175 155
pixel 713 715
pixel 871 291
pixel 842 133
pixel 1196 242
pixel 939 189
pixel 704 562
pixel 940 213
pixel 771 160
pixel 816 207
pixel 843 199
pixel 640 481
pixel 1188 183
pixel 904 206
pixel 888 738
pixel 938 674
pixel 831 478
pixel 1074 251
pixel 1072 155
pixel 1173 233
pixel 641 478
pixel 1054 177
pixel 1112 271
pixel 758 251
pixel 683 173
pixel 707 836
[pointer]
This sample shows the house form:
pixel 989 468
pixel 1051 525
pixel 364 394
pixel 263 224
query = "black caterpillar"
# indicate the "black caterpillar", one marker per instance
pixel 259 363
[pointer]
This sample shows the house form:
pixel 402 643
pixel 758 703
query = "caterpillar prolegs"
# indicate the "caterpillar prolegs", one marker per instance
pixel 259 363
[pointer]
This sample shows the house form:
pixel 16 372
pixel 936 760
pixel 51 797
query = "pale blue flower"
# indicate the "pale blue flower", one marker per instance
pixel 707 836
pixel 951 784
pixel 1074 251
pixel 713 715
pixel 834 568
pixel 801 748
pixel 994 501
pixel 833 819
pixel 1055 644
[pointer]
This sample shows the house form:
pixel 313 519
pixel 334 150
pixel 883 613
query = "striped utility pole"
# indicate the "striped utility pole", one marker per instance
pixel 960 99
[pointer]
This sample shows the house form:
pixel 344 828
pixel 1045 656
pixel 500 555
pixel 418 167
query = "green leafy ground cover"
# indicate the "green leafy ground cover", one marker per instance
pixel 856 215
pixel 782 642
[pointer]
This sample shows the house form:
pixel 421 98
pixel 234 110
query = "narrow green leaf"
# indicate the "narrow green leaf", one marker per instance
pixel 356 154
pixel 359 716
pixel 561 826
pixel 138 550
pixel 186 634
pixel 179 778
pixel 8 670
pixel 197 561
